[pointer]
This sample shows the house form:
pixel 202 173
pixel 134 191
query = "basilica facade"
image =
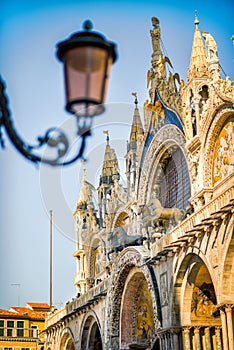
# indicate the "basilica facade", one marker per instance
pixel 155 260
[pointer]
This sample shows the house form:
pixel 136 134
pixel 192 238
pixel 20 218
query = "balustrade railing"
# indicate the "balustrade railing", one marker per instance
pixel 77 303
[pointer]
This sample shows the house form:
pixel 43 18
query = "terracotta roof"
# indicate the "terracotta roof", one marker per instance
pixel 6 312
pixel 38 305
pixel 23 312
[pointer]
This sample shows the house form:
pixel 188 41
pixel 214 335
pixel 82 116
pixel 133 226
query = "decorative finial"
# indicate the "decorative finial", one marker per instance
pixel 136 101
pixel 87 25
pixel 196 22
pixel 106 132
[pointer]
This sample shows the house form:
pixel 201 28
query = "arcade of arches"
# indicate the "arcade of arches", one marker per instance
pixel 155 256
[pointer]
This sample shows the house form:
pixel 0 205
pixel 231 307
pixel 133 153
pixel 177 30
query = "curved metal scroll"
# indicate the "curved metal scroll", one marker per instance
pixel 54 138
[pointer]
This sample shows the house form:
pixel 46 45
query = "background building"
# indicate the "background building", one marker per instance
pixel 21 327
pixel 155 260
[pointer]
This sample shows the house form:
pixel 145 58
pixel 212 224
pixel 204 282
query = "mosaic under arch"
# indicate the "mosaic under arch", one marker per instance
pixel 144 313
pixel 223 158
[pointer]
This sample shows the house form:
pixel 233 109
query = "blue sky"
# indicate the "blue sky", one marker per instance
pixel 28 35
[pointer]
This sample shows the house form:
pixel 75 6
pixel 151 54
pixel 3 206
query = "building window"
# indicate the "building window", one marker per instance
pixel 20 328
pixel 1 328
pixel 33 332
pixel 25 348
pixel 8 348
pixel 10 326
pixel 174 182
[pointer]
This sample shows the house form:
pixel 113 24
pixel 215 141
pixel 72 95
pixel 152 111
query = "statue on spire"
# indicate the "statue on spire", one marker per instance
pixel 210 45
pixel 86 190
pixel 155 35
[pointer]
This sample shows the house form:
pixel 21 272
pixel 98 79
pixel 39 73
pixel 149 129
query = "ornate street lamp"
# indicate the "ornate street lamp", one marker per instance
pixel 87 58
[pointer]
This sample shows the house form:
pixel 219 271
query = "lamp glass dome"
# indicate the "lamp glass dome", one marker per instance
pixel 87 58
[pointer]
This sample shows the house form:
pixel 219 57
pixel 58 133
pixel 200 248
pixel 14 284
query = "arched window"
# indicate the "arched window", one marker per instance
pixel 174 183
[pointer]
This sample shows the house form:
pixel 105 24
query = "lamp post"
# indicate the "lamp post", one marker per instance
pixel 87 57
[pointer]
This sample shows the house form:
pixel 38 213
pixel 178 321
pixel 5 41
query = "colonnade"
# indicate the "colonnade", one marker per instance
pixel 192 338
pixel 216 337
pixel 170 339
pixel 202 337
pixel 226 314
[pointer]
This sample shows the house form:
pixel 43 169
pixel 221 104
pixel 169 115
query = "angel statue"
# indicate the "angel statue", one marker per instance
pixel 211 45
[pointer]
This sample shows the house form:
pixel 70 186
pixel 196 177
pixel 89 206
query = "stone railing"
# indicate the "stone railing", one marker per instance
pixel 77 303
pixel 194 220
pixel 55 317
pixel 85 298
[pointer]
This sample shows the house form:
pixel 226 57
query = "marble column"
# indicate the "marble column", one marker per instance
pixel 170 341
pixel 207 338
pixel 197 338
pixel 161 341
pixel 218 338
pixel 165 341
pixel 162 338
pixel 175 336
pixel 224 329
pixel 187 343
pixel 228 310
pixel 83 267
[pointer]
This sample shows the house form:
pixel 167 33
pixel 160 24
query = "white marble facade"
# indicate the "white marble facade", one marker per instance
pixel 155 261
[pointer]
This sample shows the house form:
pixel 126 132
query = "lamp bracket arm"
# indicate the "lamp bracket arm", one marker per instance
pixel 54 138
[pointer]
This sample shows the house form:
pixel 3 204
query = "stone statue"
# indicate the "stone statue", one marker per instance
pixel 150 76
pixel 86 191
pixel 156 212
pixel 211 45
pixel 119 239
pixel 155 35
pixel 158 112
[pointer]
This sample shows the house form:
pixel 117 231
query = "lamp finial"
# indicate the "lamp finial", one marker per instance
pixel 87 25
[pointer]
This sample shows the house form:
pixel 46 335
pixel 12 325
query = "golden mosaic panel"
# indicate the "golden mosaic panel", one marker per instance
pixel 223 159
